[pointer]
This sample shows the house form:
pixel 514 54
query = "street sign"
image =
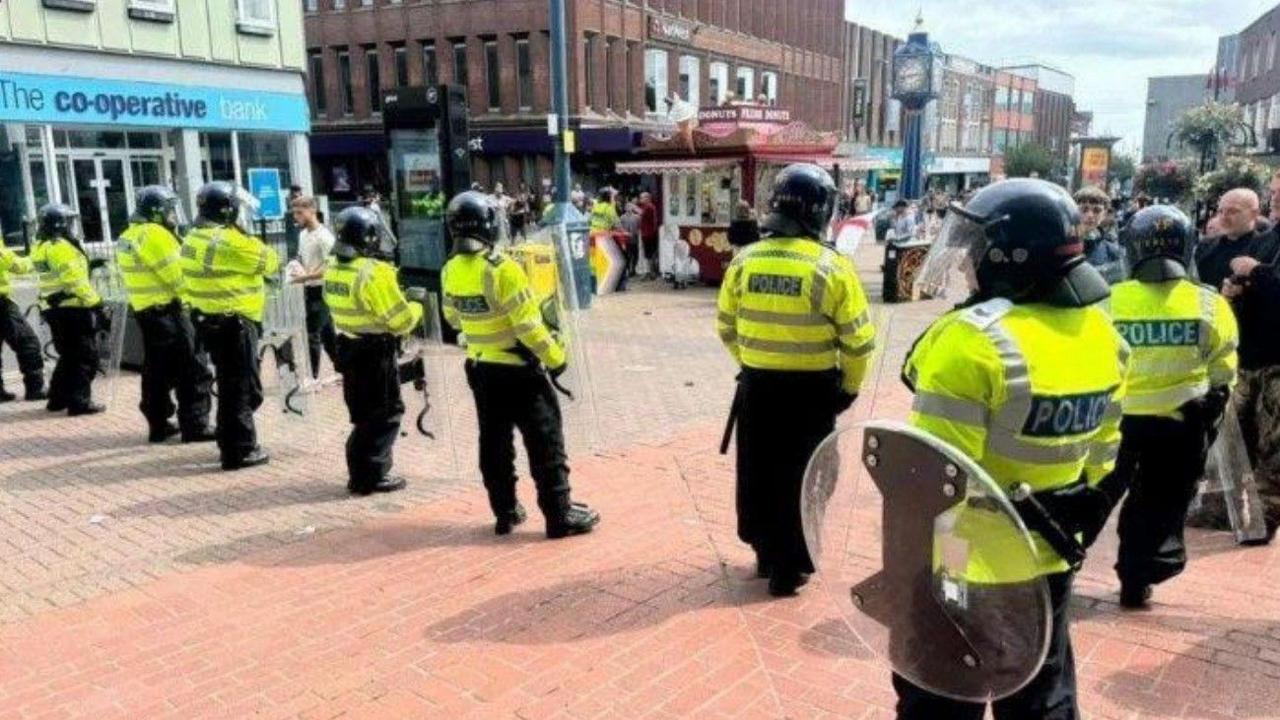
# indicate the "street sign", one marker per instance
pixel 264 184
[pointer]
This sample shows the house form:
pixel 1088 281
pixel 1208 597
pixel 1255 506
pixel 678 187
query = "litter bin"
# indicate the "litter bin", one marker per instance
pixel 902 260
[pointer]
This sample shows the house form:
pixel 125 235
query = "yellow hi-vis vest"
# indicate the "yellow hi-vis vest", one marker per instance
pixel 147 255
pixel 795 304
pixel 487 297
pixel 11 263
pixel 224 271
pixel 364 298
pixel 1033 394
pixel 63 269
pixel 1183 337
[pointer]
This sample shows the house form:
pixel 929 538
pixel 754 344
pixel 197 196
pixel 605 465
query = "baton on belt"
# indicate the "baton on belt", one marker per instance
pixel 732 420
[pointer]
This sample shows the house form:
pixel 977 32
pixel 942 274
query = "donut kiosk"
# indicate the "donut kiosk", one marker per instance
pixel 731 153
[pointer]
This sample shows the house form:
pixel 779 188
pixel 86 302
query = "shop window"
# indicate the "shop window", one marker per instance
pixel 719 82
pixel 402 65
pixel 493 75
pixel 315 62
pixel 96 139
pixel 218 161
pixel 373 75
pixel 769 87
pixel 344 77
pixel 655 81
pixel 266 150
pixel 524 74
pixel 745 83
pixel 690 79
pixel 256 17
pixel 144 141
pixel 430 71
pixel 460 63
pixel 155 10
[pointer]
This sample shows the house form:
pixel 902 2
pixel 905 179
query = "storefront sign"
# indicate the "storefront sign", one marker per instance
pixel 264 184
pixel 671 30
pixel 744 114
pixel 1094 164
pixel 101 101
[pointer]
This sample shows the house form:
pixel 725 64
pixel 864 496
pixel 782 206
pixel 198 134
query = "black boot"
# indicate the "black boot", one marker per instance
pixel 1134 596
pixel 507 521
pixel 162 432
pixel 785 583
pixel 390 483
pixel 579 519
pixel 34 385
pixel 200 435
pixel 90 409
pixel 255 457
pixel 6 396
pixel 763 568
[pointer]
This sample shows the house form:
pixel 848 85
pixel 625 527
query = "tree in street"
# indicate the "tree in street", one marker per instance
pixel 1029 160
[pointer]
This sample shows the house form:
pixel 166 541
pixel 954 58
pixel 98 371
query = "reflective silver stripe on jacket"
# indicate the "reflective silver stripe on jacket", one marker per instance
pixel 1161 400
pixel 1208 302
pixel 778 318
pixel 786 347
pixel 950 408
pixel 222 294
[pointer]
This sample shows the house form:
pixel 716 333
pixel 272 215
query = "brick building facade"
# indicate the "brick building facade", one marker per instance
pixel 625 58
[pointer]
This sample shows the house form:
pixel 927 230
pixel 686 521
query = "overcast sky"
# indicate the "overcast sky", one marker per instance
pixel 1110 47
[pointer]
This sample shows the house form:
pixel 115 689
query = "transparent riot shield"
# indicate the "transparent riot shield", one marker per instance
pixel 110 326
pixel 927 561
pixel 1230 472
pixel 283 360
pixel 423 363
pixel 24 293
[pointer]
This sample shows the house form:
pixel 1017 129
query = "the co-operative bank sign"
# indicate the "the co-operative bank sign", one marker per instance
pixel 97 101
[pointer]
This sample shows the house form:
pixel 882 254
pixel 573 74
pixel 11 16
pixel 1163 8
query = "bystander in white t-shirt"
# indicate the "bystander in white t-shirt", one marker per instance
pixel 314 247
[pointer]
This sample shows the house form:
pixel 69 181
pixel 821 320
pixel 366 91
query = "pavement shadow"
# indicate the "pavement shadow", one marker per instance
pixel 99 471
pixel 36 412
pixel 597 605
pixel 46 446
pixel 834 638
pixel 228 501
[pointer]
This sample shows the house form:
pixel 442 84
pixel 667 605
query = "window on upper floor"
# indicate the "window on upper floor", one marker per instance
pixel 339 4
pixel 746 86
pixel 344 80
pixel 373 76
pixel 310 5
pixel 524 74
pixel 81 5
pixel 769 86
pixel 315 63
pixel 157 10
pixel 690 80
pixel 256 17
pixel 655 81
pixel 401 54
pixel 493 75
pixel 718 82
pixel 460 63
pixel 430 72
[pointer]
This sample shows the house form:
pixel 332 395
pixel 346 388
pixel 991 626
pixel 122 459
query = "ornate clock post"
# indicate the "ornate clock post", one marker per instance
pixel 913 86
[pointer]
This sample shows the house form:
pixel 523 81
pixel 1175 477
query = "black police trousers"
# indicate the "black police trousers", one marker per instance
pixel 173 363
pixel 1051 694
pixel 320 332
pixel 371 388
pixel 232 342
pixel 75 339
pixel 510 397
pixel 782 418
pixel 1161 461
pixel 18 335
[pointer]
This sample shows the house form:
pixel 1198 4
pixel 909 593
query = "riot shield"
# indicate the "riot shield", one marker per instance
pixel 110 326
pixel 927 561
pixel 283 360
pixel 423 363
pixel 1230 472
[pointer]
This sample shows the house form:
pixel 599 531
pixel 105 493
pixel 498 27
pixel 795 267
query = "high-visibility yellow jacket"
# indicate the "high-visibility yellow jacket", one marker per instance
pixel 64 272
pixel 604 216
pixel 364 298
pixel 11 263
pixel 147 255
pixel 795 304
pixel 1033 394
pixel 224 271
pixel 487 297
pixel 1183 337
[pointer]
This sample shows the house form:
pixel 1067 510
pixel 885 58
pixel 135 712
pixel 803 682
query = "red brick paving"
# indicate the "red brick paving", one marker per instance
pixel 270 595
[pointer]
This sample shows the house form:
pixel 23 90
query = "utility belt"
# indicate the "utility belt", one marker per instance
pixel 1056 515
pixel 56 299
pixel 173 307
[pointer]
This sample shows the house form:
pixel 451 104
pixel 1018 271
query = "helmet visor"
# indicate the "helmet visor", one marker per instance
pixel 949 269
pixel 246 211
pixel 386 241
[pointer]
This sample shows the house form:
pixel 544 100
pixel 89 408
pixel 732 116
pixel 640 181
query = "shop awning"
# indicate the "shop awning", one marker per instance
pixel 830 162
pixel 673 167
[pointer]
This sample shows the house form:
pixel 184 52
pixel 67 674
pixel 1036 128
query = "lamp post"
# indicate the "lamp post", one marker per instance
pixel 914 86
pixel 569 226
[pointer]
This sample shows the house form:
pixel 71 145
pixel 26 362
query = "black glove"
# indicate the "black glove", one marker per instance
pixel 1206 411
pixel 844 401
pixel 1080 508
pixel 559 370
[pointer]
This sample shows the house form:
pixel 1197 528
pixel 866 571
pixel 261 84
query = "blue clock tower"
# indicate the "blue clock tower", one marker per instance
pixel 914 85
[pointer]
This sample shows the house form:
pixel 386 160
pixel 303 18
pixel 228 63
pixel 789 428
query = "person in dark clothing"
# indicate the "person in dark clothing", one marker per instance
pixel 1242 263
pixel 649 223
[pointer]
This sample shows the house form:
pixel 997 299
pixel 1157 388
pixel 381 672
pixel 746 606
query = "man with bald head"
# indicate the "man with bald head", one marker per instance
pixel 1242 263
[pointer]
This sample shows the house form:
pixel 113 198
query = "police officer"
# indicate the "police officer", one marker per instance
pixel 16 333
pixel 148 255
pixel 794 316
pixel 1183 337
pixel 224 274
pixel 71 307
pixel 1025 377
pixel 510 351
pixel 371 315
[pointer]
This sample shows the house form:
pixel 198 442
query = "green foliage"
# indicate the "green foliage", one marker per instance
pixel 1171 180
pixel 1123 169
pixel 1209 127
pixel 1236 172
pixel 429 205
pixel 1027 159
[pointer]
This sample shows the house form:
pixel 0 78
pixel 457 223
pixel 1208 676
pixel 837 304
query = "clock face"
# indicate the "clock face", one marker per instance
pixel 912 76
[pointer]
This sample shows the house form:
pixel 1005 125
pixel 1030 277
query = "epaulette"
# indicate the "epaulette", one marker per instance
pixel 986 313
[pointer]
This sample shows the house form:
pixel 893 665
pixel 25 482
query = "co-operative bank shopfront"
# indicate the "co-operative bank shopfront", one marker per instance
pixel 88 128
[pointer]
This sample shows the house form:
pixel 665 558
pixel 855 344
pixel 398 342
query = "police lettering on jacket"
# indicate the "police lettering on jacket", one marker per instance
pixel 1159 333
pixel 1062 415
pixel 766 284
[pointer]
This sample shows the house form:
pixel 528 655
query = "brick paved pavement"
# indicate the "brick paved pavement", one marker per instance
pixel 270 594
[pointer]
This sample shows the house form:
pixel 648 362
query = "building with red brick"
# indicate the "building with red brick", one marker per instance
pixel 626 58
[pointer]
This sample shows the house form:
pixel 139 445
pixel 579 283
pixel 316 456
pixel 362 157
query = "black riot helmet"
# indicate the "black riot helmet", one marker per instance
pixel 218 203
pixel 1016 239
pixel 59 221
pixel 803 199
pixel 158 204
pixel 472 220
pixel 1159 241
pixel 361 232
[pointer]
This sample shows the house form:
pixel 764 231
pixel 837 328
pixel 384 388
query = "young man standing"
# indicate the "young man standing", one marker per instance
pixel 315 243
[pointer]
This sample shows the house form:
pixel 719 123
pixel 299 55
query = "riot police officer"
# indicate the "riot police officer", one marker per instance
pixel 148 254
pixel 1183 336
pixel 224 272
pixel 16 333
pixel 1025 377
pixel 71 307
pixel 371 315
pixel 794 316
pixel 510 351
